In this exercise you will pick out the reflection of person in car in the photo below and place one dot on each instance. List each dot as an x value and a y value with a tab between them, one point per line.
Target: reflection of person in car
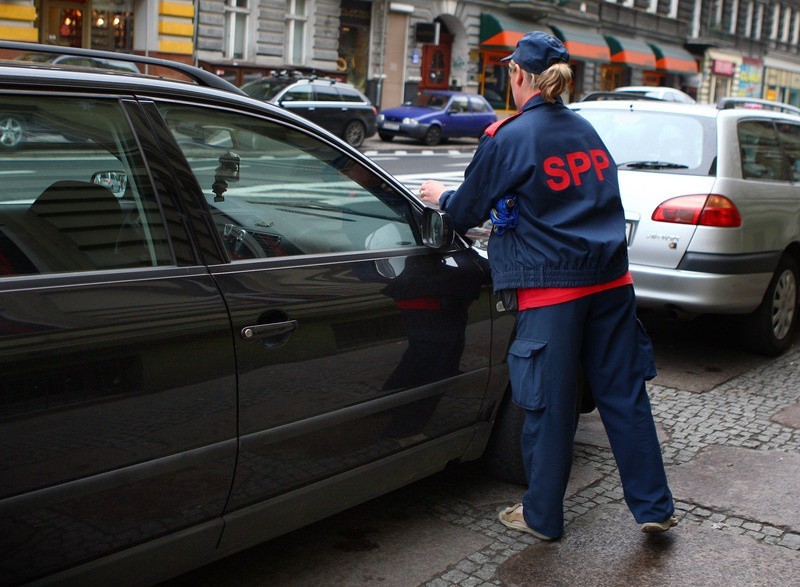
434	312
550	186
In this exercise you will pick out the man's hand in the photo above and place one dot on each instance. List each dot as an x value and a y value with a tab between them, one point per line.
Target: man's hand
431	190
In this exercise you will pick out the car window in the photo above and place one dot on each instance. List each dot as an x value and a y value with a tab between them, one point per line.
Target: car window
686	143
76	196
349	95
303	92
274	191
790	139
327	94
762	156
459	105
479	105
435	101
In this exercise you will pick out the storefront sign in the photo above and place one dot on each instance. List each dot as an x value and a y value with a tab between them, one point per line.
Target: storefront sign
720	67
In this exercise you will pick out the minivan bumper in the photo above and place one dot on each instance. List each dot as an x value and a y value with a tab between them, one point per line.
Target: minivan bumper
695	292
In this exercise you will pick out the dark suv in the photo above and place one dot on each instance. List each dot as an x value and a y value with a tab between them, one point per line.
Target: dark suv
335	106
218	323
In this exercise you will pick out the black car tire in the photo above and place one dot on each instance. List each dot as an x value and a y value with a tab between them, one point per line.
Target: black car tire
354	133
385	137
432	136
503	455
12	132
770	329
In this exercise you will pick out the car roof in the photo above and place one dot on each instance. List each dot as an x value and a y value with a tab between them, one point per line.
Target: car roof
699	110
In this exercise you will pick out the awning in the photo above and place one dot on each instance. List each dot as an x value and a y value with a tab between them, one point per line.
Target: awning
502	32
583	44
631	52
673	58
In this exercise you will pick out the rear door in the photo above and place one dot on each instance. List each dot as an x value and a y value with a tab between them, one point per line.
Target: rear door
118	416
353	341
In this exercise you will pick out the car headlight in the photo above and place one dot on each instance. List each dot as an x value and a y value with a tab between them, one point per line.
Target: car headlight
381	118
410	121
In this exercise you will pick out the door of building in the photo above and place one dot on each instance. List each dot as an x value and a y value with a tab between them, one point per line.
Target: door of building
436	64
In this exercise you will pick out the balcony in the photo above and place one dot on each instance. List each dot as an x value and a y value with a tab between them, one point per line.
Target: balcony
632	19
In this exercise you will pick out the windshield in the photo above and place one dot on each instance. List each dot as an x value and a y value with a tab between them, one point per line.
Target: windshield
434	101
656	141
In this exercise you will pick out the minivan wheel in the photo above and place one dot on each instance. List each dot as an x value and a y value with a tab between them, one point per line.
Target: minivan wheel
12	133
770	329
432	136
354	133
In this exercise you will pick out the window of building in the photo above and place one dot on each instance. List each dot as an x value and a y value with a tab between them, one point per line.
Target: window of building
237	13
734	17
796	28
296	20
673	9
748	25
759	22
776	17
786	25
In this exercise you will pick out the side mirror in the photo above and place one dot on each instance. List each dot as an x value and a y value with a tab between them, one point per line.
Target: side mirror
437	229
116	181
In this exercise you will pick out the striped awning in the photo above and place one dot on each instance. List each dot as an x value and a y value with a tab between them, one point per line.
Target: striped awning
503	32
583	44
631	52
673	58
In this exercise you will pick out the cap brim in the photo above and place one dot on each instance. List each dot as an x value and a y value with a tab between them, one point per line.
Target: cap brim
509	58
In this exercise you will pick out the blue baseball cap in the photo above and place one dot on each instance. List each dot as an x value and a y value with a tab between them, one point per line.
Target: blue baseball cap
536	51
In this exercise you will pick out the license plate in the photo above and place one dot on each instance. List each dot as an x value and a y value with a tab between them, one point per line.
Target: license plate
628	232
391	126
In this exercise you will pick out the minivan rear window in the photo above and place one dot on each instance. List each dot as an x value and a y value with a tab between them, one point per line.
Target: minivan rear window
656	141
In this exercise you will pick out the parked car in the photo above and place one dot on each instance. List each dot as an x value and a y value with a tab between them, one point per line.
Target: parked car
600	95
335	106
660	92
711	198
216	323
15	130
436	115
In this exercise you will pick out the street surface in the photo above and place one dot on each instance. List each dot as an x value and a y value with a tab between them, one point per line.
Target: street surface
728	421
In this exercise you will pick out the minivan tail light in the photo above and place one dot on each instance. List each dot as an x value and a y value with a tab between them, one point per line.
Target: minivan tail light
700	210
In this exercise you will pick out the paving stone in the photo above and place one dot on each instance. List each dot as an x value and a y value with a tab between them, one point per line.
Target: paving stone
789	416
606	549
722	478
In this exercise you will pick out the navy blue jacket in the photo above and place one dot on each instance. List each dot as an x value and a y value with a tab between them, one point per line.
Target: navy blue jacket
571	226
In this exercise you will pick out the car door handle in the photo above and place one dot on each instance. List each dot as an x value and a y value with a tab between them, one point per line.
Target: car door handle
281	330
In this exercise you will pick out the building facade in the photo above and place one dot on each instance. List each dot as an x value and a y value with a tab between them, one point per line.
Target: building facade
392	49
155	27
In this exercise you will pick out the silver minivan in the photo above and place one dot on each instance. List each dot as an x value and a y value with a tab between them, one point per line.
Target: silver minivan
712	203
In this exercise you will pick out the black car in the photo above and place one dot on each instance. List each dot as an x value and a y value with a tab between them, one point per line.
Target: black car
336	106
218	323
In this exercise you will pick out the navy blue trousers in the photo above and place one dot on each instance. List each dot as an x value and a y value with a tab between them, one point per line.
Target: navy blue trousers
602	333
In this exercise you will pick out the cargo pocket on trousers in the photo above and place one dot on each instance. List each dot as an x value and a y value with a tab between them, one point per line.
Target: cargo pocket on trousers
646	353
525	372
